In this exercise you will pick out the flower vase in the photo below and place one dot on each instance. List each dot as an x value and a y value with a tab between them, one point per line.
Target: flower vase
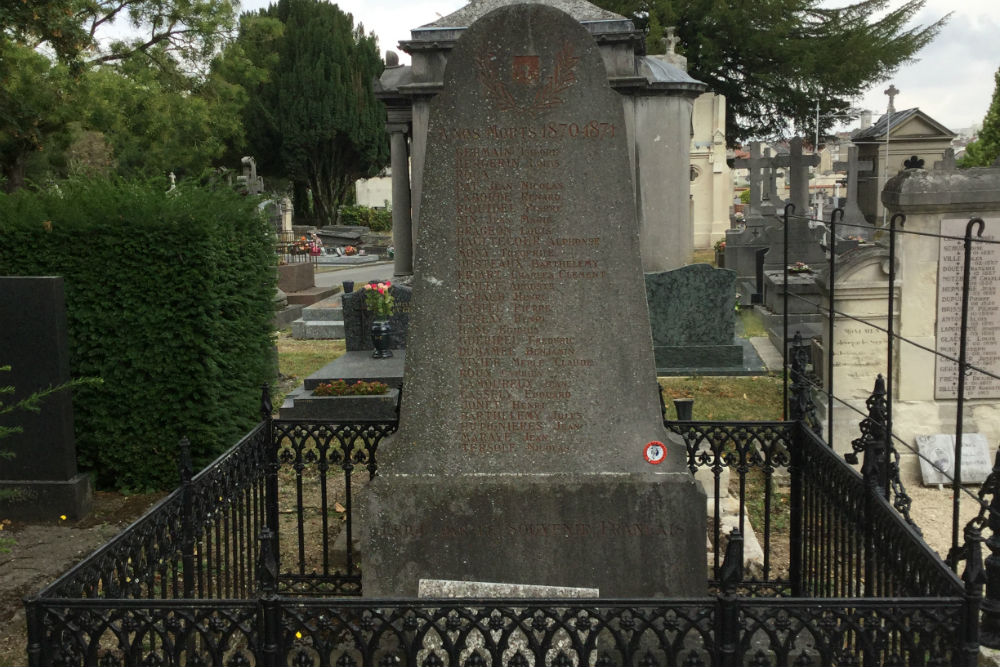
381	339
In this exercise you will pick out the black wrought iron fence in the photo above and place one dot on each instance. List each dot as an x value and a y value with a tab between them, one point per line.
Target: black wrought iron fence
188	584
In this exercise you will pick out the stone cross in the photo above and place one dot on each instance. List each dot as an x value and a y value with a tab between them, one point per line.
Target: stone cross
770	182
756	164
891	91
947	160
852	214
798	173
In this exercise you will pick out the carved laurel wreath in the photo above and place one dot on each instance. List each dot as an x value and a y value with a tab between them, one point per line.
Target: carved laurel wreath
563	76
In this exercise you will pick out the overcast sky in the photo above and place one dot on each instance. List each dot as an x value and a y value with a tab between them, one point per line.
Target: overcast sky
951	80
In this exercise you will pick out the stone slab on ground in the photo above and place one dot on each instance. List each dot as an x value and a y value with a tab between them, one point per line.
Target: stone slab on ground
359	365
443	588
346	260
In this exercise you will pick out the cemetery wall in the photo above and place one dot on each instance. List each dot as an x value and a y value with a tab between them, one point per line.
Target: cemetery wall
169	300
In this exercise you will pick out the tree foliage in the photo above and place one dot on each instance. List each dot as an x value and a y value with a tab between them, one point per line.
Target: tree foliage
986	148
311	115
774	59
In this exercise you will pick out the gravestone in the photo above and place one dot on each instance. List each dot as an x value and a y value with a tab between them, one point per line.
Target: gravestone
34	343
854	223
743	245
526	417
982	350
358	320
692	315
937	458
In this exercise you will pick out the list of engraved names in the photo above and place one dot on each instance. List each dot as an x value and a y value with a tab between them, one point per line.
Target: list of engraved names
516	256
984	311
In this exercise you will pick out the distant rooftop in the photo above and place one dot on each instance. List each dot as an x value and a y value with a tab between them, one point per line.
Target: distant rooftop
898	118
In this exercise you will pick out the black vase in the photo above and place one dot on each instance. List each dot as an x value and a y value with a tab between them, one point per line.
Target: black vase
381	339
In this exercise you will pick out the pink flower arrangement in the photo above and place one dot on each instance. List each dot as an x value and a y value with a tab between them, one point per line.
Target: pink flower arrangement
379	299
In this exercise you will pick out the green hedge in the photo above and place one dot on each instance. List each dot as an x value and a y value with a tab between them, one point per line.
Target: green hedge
169	300
376	219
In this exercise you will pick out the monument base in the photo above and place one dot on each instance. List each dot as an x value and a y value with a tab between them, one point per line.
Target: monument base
625	534
698	356
47	500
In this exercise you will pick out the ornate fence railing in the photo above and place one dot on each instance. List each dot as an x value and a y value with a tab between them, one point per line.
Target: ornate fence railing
189	583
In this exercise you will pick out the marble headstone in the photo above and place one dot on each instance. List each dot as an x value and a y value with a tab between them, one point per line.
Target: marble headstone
528	403
692	315
937	458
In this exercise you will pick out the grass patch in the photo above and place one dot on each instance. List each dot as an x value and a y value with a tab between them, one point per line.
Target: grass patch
298	359
726	398
703	256
753	325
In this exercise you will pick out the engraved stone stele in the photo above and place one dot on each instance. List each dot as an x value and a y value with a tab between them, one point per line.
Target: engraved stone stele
937	458
528	399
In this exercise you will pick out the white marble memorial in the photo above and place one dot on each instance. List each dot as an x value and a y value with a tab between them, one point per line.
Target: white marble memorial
937	458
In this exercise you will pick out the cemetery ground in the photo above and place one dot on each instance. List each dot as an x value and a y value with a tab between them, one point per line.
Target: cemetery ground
36	554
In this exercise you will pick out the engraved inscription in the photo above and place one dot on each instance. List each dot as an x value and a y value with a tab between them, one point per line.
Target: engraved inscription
984	312
513	258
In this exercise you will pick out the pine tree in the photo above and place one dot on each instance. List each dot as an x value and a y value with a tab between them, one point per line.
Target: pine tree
984	151
774	59
312	115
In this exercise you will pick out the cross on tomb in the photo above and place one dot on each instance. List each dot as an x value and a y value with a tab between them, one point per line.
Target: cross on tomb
770	184
852	214
798	173
756	164
891	91
947	160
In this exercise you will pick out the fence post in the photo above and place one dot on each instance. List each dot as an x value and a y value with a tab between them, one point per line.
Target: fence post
973	578
800	404
187	519
269	616
990	629
730	577
796	472
34	622
271	458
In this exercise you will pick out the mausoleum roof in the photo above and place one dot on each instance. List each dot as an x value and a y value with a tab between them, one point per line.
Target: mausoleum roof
656	70
877	131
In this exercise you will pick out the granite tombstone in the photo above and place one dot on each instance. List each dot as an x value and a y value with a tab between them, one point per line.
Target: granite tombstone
358	319
34	343
692	315
526	419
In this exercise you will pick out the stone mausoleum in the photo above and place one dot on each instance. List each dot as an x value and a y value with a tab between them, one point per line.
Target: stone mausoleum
657	95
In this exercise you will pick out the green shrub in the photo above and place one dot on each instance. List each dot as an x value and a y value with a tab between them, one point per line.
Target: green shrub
169	301
375	219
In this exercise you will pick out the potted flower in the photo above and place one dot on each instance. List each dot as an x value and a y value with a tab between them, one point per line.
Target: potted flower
720	253
380	302
350	250
800	267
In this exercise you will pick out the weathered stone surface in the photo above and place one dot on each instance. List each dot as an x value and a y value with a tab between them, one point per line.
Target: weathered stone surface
527	201
693	318
628	535
527	401
445	588
358	321
984	310
940	449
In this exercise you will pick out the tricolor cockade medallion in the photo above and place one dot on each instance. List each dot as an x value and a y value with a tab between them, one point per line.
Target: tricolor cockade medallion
517	84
